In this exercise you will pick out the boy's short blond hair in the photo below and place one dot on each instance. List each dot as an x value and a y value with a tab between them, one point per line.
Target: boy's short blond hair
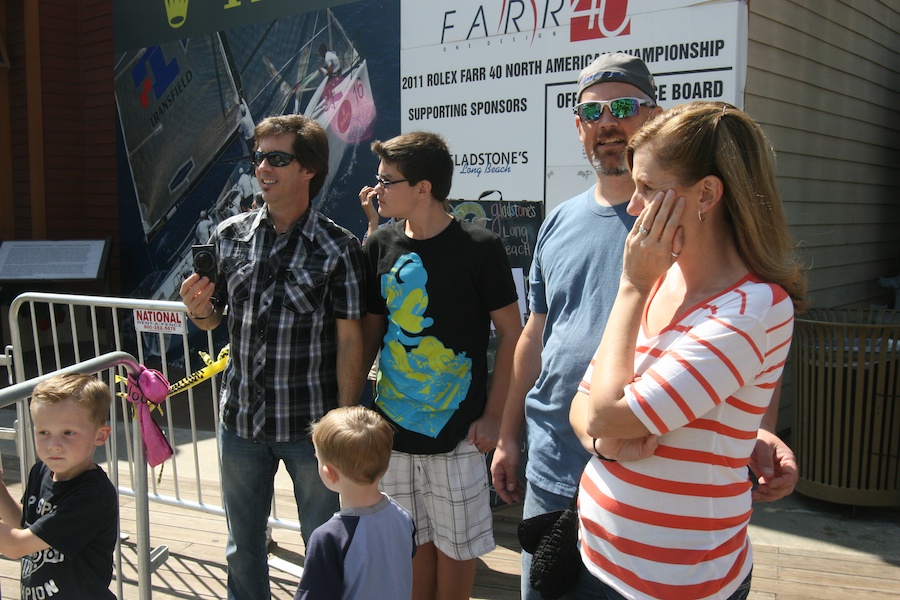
356	440
86	391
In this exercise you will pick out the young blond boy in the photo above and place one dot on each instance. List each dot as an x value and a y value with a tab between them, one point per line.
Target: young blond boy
366	549
67	531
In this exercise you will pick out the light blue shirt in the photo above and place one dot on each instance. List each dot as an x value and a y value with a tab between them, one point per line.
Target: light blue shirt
573	281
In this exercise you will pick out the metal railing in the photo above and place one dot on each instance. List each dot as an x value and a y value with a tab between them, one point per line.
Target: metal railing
50	332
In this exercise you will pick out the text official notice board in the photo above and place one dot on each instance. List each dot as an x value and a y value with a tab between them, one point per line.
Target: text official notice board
42	260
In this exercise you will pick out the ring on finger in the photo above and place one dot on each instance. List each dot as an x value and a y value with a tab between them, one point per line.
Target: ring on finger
674	254
642	230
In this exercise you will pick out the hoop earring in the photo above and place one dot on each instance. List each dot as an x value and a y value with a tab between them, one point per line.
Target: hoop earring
701	215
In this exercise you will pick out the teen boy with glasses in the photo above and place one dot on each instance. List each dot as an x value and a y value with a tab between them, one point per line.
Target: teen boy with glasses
434	286
293	283
573	281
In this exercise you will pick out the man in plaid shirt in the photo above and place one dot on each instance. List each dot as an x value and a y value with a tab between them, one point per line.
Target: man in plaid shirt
292	281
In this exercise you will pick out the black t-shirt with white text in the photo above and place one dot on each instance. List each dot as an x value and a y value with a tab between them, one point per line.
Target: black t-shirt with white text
79	519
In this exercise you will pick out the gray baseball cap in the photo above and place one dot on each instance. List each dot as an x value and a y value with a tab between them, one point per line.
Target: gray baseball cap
617	66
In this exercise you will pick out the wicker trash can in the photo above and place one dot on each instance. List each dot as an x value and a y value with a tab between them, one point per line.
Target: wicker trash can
846	431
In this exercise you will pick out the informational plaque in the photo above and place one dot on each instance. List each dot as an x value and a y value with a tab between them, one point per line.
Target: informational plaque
53	260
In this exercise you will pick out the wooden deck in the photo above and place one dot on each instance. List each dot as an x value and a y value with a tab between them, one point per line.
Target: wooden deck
195	568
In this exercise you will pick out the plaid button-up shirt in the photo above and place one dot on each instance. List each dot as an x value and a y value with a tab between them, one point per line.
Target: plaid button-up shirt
282	369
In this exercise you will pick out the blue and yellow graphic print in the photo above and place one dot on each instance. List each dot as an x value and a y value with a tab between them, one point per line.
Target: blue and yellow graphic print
421	382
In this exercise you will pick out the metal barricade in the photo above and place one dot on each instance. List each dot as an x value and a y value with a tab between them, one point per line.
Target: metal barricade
50	332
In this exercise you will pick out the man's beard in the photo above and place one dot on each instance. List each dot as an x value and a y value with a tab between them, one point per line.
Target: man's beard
610	165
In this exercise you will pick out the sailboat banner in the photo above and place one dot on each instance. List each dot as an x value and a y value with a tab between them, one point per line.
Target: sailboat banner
187	109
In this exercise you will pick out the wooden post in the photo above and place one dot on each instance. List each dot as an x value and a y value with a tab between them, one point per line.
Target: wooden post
35	112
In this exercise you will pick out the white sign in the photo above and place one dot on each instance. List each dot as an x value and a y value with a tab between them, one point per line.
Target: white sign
497	78
159	321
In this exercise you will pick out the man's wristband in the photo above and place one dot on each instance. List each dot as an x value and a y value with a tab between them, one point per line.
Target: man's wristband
196	318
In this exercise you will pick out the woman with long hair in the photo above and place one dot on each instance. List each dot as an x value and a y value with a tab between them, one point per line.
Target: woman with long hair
695	344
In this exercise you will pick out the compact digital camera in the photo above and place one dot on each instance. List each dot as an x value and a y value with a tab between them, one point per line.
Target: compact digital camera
205	261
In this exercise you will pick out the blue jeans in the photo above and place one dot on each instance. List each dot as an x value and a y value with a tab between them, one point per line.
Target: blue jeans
248	484
539	501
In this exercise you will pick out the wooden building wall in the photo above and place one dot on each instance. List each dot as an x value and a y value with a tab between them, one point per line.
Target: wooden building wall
62	150
824	81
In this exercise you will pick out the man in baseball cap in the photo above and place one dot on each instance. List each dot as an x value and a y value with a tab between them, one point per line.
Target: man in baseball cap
617	66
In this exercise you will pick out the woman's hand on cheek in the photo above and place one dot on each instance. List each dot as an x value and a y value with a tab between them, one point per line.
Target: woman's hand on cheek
655	241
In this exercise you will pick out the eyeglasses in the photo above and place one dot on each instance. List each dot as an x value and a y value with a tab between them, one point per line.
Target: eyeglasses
276	158
386	183
620	108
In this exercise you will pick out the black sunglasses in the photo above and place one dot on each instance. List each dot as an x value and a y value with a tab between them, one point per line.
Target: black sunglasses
386	183
276	158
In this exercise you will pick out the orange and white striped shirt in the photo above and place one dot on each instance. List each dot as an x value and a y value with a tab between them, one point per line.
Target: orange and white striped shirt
675	525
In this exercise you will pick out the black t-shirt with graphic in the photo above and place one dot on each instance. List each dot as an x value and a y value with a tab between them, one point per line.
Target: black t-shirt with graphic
79	518
436	295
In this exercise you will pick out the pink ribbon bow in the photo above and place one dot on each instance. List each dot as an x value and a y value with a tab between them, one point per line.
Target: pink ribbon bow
150	386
